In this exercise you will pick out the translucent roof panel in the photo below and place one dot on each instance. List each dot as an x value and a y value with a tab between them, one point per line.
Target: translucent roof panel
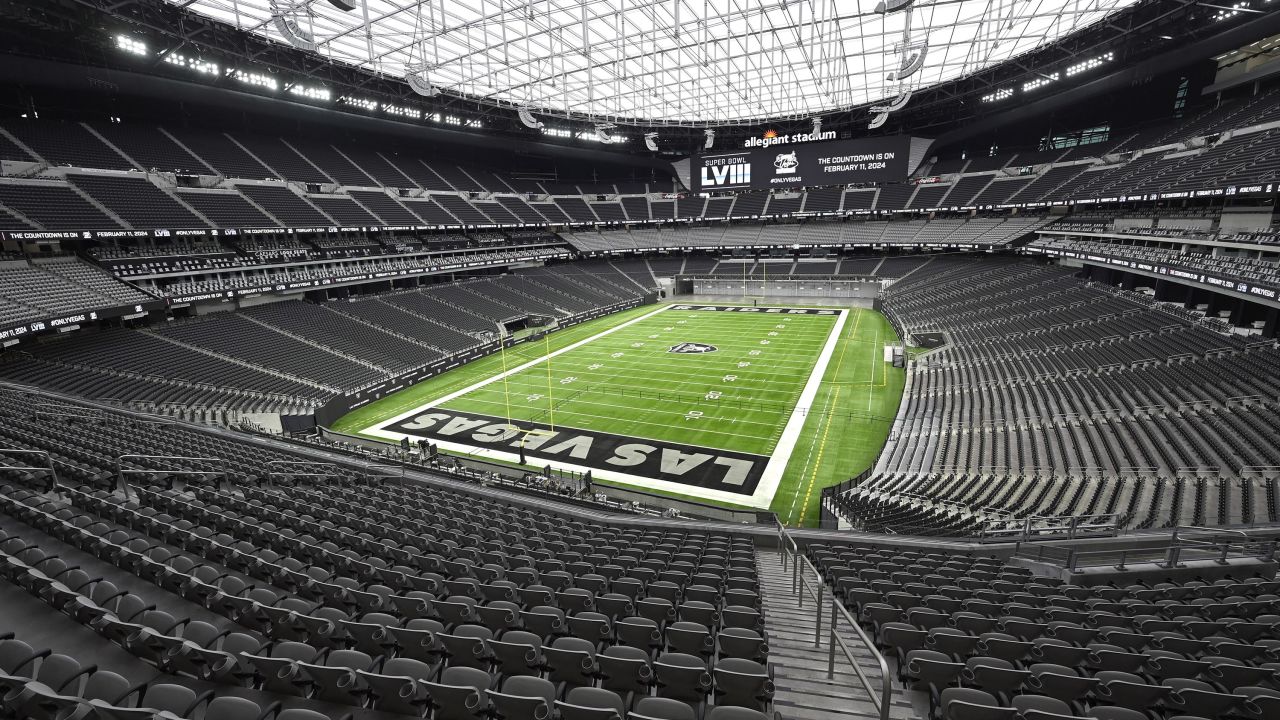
692	62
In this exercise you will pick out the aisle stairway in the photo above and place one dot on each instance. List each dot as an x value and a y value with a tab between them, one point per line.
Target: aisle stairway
803	691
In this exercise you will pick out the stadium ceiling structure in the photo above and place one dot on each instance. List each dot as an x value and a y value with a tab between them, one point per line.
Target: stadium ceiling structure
694	63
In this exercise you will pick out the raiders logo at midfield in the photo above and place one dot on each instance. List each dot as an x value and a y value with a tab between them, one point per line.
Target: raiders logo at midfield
692	348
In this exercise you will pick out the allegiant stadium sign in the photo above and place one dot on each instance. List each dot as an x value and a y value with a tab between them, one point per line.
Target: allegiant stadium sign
769	139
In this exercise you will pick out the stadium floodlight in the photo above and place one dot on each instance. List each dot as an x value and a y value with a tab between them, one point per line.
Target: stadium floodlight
416	76
528	119
311	93
711	138
283	16
889	6
878	120
651	141
602	132
129	45
345	5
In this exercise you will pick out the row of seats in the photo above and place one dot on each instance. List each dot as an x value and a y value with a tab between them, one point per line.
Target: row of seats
250	156
988	640
980	231
299	572
58	287
291	356
1090	402
1258	271
973	182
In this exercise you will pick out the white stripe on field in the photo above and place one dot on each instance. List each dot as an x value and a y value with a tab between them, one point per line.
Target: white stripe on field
791	433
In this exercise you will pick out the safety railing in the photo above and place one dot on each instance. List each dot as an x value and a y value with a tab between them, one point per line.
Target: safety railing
281	469
378	473
801	585
123	473
1186	543
46	467
1045	527
65	411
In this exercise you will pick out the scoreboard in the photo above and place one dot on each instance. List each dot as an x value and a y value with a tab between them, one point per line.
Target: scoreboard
793	166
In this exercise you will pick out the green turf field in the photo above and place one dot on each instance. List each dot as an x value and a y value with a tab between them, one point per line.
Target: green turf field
630	384
618	377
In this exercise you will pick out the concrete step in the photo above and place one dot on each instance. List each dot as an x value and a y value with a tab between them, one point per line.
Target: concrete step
803	689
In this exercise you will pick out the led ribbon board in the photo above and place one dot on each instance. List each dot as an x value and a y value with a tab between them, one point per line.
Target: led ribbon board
782	165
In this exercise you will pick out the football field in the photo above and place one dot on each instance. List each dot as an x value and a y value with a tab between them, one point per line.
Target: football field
728	404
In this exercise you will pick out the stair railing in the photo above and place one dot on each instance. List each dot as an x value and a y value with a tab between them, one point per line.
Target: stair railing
9	461
806	580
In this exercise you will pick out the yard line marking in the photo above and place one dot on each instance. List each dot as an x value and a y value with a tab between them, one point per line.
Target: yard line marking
620	366
583	401
817	463
767	400
676	413
378	428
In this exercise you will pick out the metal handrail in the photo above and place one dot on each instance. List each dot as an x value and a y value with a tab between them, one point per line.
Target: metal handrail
1166	556
792	557
48	467
122	471
304	469
1200	528
373	470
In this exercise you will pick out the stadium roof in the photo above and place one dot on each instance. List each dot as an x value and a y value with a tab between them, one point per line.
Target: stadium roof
677	62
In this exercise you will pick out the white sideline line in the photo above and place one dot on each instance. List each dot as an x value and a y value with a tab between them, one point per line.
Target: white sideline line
769	481
773	472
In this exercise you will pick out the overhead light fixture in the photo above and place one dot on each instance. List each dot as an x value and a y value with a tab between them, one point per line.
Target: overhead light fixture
255	79
129	45
1040	82
402	111
345	5
311	93
651	141
193	63
711	138
416	76
889	6
283	16
1089	64
998	95
602	132
911	63
878	120
528	119
895	105
362	103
